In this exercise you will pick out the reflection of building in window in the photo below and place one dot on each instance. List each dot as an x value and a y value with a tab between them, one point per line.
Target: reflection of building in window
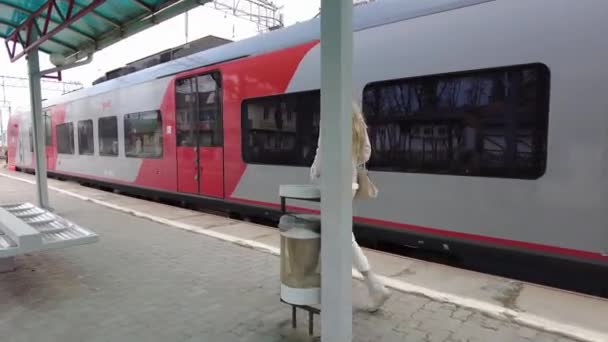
85	137
143	135
185	107
65	138
486	123
108	136
48	137
281	129
48	130
31	138
198	111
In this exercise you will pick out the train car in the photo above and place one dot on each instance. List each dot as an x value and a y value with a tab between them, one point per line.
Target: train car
488	122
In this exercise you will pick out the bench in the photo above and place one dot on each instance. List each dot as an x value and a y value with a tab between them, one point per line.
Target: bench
26	228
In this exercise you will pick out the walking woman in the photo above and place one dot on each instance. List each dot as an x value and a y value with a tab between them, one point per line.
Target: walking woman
361	153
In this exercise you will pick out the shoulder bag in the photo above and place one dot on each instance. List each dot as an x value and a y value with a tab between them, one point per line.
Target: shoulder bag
367	189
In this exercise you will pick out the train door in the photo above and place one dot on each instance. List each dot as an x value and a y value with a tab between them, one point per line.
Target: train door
200	152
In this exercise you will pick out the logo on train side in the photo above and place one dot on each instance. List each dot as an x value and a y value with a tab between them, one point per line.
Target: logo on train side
106	104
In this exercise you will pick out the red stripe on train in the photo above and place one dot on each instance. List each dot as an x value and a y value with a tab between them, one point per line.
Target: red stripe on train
452	234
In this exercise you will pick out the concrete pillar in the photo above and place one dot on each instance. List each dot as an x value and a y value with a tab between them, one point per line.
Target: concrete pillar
336	169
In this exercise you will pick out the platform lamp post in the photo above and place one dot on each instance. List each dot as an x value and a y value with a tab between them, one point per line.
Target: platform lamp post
336	186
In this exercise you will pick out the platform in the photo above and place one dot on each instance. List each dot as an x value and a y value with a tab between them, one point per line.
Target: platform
160	273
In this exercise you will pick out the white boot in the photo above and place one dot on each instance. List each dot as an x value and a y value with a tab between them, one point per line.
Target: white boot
377	291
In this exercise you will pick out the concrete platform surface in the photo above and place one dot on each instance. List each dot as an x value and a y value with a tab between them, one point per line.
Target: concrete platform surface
148	280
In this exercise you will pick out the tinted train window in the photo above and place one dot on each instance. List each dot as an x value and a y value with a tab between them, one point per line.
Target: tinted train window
490	123
107	131
31	138
85	137
198	111
281	130
65	138
143	135
48	130
48	137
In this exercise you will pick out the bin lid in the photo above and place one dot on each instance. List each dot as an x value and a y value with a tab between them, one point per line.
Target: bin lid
302	191
304	221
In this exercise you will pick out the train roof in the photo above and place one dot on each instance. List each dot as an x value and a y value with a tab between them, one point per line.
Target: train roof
374	14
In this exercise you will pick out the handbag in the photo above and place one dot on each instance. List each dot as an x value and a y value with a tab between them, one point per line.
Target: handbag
367	189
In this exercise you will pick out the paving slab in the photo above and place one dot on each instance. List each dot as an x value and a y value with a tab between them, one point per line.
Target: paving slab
162	210
555	306
388	264
124	200
246	230
273	240
207	221
459	282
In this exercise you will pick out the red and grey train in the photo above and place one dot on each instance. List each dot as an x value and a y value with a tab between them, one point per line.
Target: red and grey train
488	121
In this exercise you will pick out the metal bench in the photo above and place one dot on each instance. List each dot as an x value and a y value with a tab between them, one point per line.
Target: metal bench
26	228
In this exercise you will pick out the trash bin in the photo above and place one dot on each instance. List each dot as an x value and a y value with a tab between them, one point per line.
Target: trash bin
300	259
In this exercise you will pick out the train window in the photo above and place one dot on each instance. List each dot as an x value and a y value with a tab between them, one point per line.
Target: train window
487	123
31	138
185	108
198	111
65	138
107	130
48	138
48	130
282	129
143	135
85	137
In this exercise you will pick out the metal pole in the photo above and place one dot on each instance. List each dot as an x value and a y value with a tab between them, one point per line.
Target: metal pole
336	169
33	66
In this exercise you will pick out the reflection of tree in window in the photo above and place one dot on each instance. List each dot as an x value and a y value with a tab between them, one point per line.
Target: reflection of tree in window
490	123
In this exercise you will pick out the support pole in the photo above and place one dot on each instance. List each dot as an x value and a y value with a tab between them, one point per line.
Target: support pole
336	169
33	65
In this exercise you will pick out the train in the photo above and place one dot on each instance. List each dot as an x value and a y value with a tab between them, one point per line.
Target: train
488	121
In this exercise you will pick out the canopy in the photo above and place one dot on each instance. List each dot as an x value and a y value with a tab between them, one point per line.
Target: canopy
77	28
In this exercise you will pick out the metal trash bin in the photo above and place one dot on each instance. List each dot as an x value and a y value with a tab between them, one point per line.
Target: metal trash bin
301	259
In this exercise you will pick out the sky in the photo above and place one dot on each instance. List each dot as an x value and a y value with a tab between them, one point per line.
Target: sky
202	21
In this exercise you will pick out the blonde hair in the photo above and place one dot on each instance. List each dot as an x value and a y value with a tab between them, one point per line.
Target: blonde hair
359	132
